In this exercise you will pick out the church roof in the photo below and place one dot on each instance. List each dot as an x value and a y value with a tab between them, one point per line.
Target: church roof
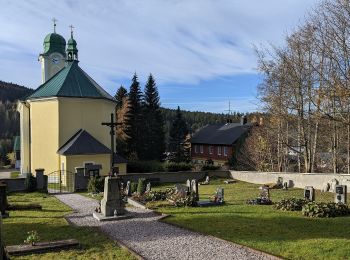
71	81
83	143
220	134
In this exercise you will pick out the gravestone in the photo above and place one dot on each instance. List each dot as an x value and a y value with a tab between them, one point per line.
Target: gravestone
181	190
340	194
3	200
148	187
112	205
265	192
332	184
128	189
194	185
309	193
280	181
188	184
207	180
220	195
39	175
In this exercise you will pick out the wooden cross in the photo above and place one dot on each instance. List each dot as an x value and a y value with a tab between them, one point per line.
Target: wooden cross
54	24
112	125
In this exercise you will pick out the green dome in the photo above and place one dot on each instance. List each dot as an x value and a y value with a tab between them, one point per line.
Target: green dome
72	45
54	42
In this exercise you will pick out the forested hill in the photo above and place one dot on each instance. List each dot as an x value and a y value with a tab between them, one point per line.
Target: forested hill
11	92
196	120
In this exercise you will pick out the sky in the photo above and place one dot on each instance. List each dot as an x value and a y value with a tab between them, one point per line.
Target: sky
201	52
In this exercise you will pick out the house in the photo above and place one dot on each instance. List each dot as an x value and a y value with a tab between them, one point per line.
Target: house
60	122
217	142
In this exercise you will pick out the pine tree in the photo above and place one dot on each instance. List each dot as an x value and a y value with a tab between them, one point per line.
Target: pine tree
133	122
178	132
120	95
153	145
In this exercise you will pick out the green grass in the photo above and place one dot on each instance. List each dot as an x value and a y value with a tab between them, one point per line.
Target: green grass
14	174
286	234
51	225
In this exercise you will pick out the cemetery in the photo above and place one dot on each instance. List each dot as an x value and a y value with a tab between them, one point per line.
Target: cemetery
274	217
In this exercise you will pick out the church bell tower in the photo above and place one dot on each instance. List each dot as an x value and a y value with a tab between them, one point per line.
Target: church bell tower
54	56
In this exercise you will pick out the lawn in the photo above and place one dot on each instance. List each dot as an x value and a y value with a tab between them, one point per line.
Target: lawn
51	225
286	234
15	174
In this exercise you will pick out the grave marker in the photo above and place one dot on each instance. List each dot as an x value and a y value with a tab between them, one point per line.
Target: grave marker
194	185
112	205
265	192
128	189
188	184
148	187
309	193
3	200
220	195
340	194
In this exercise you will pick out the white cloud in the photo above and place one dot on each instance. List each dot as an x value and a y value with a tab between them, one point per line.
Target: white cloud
179	41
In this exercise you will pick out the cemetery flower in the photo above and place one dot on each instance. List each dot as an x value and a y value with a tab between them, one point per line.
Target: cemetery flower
32	237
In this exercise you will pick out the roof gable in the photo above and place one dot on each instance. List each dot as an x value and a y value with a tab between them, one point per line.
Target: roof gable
83	143
71	81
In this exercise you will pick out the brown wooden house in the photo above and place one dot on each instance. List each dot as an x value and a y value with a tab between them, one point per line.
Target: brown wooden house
217	142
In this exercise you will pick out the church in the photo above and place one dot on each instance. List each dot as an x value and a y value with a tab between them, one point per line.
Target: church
60	122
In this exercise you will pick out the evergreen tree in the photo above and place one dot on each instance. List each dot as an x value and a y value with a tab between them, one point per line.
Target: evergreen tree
120	95
133	120
153	145
178	132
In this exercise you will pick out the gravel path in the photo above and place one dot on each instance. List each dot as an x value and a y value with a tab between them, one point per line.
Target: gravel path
153	239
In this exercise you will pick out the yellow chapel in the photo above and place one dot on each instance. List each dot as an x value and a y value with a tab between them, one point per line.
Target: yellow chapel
60	122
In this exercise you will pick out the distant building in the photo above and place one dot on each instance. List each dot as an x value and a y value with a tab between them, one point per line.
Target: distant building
217	142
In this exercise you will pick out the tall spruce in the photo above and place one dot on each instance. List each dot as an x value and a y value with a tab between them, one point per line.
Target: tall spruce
120	96
153	135
178	133
133	124
122	112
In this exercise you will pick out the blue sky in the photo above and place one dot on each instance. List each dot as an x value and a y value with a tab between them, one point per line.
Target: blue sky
201	52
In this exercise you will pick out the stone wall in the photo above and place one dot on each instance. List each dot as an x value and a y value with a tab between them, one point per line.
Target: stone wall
174	177
299	180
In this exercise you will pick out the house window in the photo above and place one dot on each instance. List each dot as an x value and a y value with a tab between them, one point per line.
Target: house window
225	150
201	148
219	150
195	148
211	149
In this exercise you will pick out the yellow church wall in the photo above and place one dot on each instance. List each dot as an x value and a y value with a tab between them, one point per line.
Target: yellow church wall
122	167
44	135
79	161
23	110
85	113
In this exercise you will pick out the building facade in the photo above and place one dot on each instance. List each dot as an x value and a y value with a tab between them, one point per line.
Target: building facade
217	143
